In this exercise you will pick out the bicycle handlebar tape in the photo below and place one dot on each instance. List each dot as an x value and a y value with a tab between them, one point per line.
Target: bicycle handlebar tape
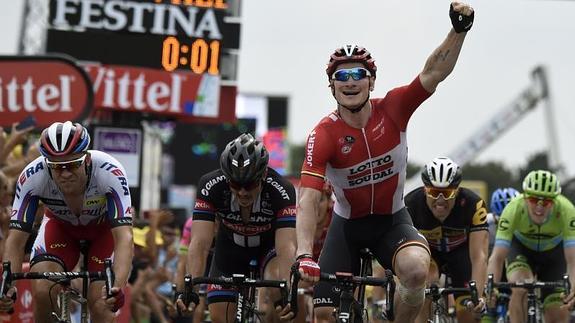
460	22
294	277
473	289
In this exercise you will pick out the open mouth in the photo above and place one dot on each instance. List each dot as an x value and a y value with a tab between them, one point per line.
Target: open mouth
350	93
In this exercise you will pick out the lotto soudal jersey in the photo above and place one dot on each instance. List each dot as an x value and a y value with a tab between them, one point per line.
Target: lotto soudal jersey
107	195
367	166
468	215
273	208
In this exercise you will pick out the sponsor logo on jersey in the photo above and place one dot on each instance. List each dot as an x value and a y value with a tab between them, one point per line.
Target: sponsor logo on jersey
309	149
253	218
278	187
119	174
34	169
346	149
206	189
90	212
96	201
380	168
322	300
97	260
52	202
202	205
129	211
57	245
247	230
288	211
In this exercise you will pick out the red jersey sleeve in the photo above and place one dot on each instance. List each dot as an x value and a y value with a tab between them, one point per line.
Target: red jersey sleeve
319	150
403	101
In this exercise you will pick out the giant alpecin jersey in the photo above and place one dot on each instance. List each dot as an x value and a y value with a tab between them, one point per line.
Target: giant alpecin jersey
274	208
107	195
367	166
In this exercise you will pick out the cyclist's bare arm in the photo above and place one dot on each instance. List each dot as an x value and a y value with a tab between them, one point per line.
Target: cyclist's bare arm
307	214
123	253
570	260
285	242
180	272
199	248
442	61
14	249
495	264
478	250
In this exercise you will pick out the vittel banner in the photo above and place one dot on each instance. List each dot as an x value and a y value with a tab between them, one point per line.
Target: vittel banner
52	88
178	94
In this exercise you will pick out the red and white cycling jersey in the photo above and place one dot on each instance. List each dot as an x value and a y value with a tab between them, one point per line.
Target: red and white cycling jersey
107	195
367	166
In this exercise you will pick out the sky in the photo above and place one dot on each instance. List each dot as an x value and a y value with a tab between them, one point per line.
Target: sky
285	46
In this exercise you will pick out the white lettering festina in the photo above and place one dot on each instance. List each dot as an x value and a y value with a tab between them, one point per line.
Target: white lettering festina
136	17
25	95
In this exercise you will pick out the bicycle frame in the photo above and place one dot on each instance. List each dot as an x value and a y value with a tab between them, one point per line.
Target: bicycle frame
246	291
63	278
436	293
350	310
533	312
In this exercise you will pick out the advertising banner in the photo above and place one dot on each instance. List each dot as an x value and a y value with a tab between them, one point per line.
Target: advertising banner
52	88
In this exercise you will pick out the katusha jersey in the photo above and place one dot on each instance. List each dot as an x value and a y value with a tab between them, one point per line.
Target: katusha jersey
274	208
516	223
367	167
107	195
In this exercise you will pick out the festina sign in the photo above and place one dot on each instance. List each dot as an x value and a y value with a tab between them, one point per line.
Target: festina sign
52	88
178	94
138	17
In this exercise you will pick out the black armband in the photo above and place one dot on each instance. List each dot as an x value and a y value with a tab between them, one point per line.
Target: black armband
304	255
461	23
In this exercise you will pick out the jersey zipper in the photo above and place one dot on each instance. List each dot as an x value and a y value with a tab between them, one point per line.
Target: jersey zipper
370	168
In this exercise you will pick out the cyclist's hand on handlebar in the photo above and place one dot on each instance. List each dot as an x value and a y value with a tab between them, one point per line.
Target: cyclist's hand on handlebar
285	314
181	307
479	308
7	303
569	300
116	300
308	268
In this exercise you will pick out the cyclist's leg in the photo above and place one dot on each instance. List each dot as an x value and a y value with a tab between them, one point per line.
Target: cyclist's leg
552	268
410	262
459	268
432	278
518	270
53	251
337	255
377	294
101	248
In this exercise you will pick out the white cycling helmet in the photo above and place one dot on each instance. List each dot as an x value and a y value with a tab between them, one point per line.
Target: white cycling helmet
441	172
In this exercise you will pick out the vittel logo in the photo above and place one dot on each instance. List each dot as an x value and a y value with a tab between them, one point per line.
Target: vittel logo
28	95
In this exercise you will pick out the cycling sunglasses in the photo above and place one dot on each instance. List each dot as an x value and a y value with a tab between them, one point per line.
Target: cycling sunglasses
247	186
68	164
356	73
435	193
543	201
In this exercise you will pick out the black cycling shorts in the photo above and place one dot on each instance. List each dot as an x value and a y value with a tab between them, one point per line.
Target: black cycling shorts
546	266
384	235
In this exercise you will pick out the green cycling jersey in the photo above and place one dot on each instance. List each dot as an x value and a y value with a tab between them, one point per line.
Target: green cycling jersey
558	227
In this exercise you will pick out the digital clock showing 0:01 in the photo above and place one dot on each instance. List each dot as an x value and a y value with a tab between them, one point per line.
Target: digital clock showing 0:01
200	56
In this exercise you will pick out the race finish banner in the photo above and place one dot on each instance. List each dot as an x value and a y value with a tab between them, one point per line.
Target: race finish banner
51	88
182	37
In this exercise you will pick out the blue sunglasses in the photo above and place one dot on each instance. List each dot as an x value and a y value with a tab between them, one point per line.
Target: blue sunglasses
356	73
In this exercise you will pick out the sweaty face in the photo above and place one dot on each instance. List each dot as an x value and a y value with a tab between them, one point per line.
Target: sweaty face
246	197
539	209
351	92
70	180
440	207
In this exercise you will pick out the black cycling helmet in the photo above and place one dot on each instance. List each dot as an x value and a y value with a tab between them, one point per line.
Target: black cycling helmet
350	53
244	160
